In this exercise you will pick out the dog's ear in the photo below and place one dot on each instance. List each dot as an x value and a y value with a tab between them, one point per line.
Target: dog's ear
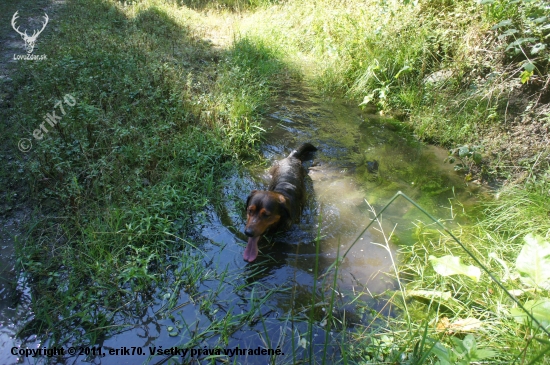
285	207
252	193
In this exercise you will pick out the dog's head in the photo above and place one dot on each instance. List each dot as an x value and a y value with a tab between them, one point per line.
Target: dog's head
264	209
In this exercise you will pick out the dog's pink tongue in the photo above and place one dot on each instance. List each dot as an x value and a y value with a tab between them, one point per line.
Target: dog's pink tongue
251	250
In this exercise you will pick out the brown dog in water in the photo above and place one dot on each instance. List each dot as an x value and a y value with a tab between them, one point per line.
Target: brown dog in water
281	204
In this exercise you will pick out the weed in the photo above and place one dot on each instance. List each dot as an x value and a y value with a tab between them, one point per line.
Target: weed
468	157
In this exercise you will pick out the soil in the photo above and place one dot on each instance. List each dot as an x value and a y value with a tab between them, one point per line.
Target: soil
520	147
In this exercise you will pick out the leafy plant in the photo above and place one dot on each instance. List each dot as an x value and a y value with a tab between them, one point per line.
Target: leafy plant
533	265
380	348
525	31
468	156
451	265
533	262
462	352
540	309
384	81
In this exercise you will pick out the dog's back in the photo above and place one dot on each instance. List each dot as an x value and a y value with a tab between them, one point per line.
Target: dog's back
288	179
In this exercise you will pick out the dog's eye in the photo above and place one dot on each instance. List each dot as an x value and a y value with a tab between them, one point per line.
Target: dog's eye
264	213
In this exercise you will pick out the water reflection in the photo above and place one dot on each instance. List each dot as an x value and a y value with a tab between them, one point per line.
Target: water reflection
15	298
342	180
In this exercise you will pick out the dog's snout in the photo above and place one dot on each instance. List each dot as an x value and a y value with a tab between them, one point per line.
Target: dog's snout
248	232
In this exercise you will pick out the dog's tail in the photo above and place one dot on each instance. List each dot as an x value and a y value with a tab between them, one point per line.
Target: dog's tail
302	152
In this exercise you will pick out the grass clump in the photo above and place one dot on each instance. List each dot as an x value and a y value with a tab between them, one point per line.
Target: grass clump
464	307
447	66
520	210
244	89
154	116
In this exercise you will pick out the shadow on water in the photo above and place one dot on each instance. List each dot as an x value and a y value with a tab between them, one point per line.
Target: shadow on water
15	299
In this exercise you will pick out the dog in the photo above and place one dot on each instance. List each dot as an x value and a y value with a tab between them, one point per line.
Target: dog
279	206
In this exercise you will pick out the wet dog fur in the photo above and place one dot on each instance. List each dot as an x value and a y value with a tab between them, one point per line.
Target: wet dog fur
279	206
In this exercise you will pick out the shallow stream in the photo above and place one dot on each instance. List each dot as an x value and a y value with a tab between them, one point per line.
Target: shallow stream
362	161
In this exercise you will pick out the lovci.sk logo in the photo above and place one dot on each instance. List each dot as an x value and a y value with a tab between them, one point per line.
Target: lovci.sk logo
29	40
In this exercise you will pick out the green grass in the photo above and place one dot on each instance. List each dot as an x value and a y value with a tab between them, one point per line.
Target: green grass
520	210
159	117
437	63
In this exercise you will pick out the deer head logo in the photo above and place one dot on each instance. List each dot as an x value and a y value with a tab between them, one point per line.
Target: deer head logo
29	40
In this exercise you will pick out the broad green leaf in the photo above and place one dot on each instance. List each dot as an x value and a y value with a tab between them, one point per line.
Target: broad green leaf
451	265
458	346
528	66
540	309
405	68
537	48
525	76
476	156
469	343
533	262
519	42
502	24
442	353
473	354
509	32
463	151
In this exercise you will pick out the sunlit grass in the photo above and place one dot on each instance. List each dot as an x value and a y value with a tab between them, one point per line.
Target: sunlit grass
121	182
438	311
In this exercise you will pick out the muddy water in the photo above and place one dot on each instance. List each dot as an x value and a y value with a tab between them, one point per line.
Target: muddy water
278	288
344	188
363	160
